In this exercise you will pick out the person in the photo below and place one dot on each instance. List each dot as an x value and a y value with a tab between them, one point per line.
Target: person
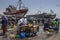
46	25
12	35
55	23
14	26
4	24
20	21
22	34
34	22
16	20
30	21
23	21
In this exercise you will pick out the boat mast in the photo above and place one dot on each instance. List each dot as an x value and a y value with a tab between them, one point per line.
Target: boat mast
20	2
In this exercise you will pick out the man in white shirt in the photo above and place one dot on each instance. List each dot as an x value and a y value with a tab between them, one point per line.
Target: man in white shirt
23	21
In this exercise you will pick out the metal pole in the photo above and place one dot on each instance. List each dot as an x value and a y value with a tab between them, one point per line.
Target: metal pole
20	2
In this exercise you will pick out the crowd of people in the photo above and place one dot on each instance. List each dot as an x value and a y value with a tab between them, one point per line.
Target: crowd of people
23	21
54	24
14	23
6	22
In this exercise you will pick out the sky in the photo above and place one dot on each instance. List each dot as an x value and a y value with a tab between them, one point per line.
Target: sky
34	5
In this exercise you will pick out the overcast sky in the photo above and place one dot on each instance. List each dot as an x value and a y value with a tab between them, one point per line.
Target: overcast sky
34	5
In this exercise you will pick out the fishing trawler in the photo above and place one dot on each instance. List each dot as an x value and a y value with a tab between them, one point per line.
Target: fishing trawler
12	10
42	15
